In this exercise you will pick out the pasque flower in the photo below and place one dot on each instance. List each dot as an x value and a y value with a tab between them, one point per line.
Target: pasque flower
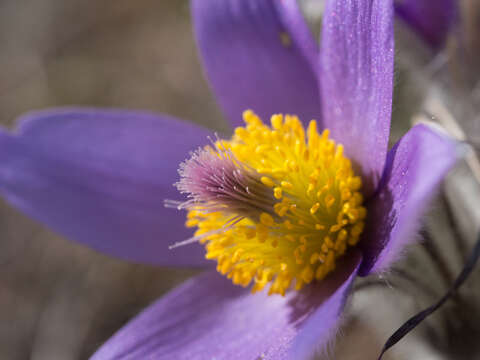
309	214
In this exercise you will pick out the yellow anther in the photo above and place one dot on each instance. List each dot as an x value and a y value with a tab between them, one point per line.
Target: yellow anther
258	287
266	219
354	183
261	148
280	209
314	208
346	194
303	239
329	200
277	192
307	274
340	247
335	228
330	261
287	138
192	222
280	151
249	233
325	134
299	204
267	181
324	248
312	134
341	173
352	215
292	165
298	256
339	151
342	235
237	254
262	233
283	211
306	155
286	185
290	237
358	228
298	147
328	241
193	214
310	189
278	172
250	118
276	121
299	284
225	266
319	227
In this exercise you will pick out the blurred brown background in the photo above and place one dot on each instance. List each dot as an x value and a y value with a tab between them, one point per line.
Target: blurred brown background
59	300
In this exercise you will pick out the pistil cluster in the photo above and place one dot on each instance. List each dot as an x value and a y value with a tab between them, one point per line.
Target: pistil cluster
275	204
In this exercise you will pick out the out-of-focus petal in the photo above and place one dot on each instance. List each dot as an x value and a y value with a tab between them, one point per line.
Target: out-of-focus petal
257	55
430	19
209	318
356	80
414	169
100	177
293	19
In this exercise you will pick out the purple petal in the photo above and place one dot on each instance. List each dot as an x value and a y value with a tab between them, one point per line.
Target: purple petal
356	80
430	19
415	167
100	177
258	55
209	318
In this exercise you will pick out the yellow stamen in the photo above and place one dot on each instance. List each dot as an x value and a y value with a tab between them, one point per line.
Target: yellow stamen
308	213
267	181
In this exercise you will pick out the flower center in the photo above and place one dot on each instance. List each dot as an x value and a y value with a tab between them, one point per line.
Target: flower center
275	204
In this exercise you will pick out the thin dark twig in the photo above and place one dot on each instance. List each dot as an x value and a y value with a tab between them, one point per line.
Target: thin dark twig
418	318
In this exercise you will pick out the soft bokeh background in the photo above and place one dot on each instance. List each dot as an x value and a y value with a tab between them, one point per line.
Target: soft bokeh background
59	300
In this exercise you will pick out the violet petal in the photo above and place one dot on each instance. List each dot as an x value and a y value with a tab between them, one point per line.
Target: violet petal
430	19
209	318
414	169
256	56
100	177
356	80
